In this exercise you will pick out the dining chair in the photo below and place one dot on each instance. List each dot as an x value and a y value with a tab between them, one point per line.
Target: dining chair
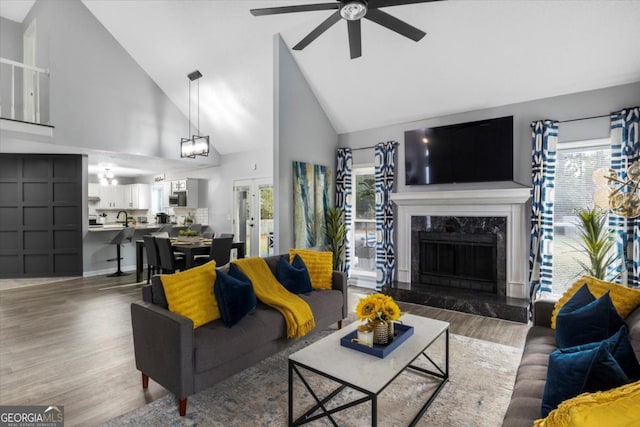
220	252
153	258
221	235
124	236
165	229
207	234
169	263
195	227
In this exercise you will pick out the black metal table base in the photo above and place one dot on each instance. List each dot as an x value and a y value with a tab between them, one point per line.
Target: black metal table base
320	405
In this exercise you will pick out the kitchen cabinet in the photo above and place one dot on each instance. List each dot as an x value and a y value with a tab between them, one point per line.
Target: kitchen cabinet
93	191
139	196
113	197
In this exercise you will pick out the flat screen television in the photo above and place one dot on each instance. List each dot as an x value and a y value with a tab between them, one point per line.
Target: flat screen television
479	151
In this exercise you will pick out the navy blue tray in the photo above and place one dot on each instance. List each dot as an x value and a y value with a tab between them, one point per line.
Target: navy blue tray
400	334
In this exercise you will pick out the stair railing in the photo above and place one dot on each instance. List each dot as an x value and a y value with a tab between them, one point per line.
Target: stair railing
37	72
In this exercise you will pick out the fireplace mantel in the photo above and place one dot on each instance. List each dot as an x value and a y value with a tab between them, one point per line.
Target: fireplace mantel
506	202
464	197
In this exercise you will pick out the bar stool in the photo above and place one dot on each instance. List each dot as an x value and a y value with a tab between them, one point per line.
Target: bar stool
124	236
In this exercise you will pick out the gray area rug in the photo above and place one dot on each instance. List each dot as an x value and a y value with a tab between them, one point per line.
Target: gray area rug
481	376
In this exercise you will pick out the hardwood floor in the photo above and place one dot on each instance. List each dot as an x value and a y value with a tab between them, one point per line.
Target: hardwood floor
69	343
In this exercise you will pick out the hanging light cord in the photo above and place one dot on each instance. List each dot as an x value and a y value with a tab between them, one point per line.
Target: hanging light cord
189	133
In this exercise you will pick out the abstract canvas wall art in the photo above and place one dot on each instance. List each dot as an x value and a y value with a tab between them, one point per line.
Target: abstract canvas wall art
311	199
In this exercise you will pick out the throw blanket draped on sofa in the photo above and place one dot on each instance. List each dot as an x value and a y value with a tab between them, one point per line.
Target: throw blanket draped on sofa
296	311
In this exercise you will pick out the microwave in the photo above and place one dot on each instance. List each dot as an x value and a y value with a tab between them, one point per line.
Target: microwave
179	198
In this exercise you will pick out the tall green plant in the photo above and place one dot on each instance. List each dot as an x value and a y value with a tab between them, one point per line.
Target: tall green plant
597	243
336	235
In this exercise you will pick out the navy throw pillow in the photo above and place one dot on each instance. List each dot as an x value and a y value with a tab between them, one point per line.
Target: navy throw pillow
234	271
620	348
295	276
593	322
236	298
574	371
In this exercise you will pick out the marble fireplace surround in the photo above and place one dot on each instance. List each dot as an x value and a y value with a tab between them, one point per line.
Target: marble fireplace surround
510	203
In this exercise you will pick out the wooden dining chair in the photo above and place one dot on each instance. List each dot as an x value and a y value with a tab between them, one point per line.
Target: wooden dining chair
168	261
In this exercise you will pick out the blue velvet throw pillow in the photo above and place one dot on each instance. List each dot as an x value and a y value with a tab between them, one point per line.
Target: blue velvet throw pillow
295	276
619	345
235	272
593	322
235	297
573	371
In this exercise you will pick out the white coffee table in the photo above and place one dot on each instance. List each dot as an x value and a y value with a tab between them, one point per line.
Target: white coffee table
363	372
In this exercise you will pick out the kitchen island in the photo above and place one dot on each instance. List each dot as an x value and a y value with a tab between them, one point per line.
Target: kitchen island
97	249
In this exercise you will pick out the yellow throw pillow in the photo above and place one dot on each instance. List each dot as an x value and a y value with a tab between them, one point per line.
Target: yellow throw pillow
624	299
319	264
190	293
616	407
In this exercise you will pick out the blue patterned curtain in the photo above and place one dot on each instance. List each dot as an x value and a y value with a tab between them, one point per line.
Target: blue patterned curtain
625	149
543	169
385	169
344	196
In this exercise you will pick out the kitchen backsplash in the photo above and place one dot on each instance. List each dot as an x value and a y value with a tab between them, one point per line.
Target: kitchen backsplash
199	215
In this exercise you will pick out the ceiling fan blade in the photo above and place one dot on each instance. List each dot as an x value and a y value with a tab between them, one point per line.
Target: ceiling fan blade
324	26
355	39
394	24
384	3
291	9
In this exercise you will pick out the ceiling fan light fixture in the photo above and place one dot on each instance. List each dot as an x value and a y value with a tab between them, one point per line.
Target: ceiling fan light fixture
353	10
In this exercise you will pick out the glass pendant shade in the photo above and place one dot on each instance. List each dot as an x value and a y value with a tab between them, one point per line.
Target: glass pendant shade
601	176
634	172
601	198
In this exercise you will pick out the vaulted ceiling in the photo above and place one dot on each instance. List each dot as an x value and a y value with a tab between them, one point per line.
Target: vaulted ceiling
476	54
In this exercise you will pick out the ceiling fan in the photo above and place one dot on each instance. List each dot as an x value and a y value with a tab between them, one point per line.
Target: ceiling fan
352	11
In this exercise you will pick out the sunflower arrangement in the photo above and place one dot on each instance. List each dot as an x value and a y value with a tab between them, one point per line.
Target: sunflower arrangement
378	307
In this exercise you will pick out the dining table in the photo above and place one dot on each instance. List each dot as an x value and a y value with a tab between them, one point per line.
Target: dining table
189	249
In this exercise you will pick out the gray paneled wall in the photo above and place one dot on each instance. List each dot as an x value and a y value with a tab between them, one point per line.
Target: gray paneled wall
40	215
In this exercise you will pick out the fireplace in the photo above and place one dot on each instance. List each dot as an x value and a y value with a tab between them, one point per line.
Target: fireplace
464	250
459	252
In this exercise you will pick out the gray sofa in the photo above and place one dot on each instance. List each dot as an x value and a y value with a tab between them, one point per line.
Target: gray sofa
526	399
186	360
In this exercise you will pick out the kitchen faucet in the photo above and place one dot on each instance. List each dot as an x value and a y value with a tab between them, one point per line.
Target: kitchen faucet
126	217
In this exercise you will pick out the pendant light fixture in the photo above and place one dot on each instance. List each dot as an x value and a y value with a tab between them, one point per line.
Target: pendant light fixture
196	145
107	177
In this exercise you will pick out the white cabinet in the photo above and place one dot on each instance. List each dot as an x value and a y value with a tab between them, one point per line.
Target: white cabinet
113	197
94	191
192	193
139	196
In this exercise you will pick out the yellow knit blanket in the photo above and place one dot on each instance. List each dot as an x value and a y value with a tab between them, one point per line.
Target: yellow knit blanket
297	313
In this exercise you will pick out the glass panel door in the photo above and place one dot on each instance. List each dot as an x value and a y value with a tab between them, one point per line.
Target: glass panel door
363	250
253	215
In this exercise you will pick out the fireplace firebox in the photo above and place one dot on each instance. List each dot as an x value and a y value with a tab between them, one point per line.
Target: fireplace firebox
460	252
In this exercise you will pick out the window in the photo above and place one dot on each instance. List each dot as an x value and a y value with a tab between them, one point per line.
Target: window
574	189
364	222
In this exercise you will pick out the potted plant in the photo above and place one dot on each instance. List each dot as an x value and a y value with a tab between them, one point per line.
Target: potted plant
596	242
336	236
189	236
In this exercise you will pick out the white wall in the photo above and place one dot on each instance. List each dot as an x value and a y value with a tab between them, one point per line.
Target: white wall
10	48
219	179
584	104
302	133
100	98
